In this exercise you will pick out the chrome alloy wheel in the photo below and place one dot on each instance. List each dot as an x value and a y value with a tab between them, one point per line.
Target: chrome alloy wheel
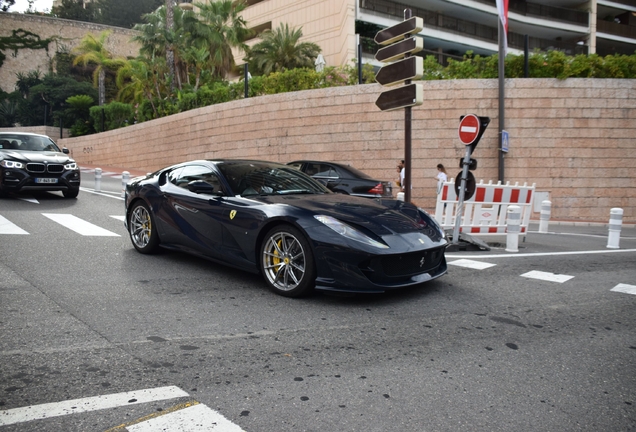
140	227
284	261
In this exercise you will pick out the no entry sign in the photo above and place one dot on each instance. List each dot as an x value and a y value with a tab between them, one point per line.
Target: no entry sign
469	128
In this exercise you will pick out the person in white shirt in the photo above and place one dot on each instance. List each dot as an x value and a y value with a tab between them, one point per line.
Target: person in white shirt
441	177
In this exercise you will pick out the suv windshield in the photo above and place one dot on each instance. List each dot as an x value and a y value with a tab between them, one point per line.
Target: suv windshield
27	143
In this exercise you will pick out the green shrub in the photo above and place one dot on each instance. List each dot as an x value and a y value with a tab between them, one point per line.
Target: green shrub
116	115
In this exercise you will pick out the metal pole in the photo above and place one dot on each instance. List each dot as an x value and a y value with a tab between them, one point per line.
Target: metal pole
502	119
245	72
526	59
359	60
407	134
462	194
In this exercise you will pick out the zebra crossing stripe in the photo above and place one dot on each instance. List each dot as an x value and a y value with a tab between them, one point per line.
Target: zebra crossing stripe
625	288
7	227
78	225
475	265
95	403
550	277
194	418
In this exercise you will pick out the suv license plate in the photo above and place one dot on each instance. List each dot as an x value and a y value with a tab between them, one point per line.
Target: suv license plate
46	180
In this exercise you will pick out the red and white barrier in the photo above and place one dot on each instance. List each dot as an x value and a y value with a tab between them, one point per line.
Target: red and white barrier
485	212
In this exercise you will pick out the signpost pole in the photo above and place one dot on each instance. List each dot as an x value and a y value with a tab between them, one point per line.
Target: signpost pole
407	132
462	192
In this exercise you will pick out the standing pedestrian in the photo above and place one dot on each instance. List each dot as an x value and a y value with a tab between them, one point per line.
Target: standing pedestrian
441	177
400	170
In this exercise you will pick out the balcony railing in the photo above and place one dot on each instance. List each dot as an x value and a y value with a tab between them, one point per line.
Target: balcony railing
469	28
613	28
551	13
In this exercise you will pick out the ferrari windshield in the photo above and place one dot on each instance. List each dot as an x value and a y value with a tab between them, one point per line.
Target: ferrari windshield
247	178
13	141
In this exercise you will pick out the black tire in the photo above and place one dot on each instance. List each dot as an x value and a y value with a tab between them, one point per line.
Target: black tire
71	193
142	229
287	262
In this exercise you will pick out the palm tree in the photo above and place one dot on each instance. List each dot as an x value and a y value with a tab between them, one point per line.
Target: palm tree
139	80
280	49
92	50
222	29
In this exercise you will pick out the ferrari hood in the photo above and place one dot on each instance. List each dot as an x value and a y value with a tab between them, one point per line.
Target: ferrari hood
381	216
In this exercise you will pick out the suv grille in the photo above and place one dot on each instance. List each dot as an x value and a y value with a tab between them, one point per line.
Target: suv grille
41	168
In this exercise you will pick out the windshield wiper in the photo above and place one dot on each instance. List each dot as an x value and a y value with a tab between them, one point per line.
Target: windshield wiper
296	191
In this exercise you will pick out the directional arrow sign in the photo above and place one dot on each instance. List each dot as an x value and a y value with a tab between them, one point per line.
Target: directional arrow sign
398	31
398	72
398	50
401	97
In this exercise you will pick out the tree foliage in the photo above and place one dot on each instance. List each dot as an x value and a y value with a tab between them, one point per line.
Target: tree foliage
279	50
6	4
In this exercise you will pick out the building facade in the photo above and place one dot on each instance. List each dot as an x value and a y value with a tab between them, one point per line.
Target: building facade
454	27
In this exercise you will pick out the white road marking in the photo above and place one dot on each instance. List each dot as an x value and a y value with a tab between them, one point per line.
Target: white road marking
105	193
550	277
95	403
80	226
624	288
197	418
540	254
119	217
7	227
476	265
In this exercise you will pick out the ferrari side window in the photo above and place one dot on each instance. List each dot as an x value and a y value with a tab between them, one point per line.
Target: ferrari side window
198	172
173	176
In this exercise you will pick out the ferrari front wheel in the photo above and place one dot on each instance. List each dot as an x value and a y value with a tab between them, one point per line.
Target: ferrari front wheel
142	230
287	262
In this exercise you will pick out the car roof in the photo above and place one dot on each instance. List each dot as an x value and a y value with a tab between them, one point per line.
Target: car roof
22	133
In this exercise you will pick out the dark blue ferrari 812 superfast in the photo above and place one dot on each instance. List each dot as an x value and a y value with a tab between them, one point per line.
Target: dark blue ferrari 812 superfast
266	217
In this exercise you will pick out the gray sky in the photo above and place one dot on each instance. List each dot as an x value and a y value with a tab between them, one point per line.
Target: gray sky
39	5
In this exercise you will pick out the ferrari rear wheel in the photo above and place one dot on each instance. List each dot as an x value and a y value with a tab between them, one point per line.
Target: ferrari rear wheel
287	262
142	230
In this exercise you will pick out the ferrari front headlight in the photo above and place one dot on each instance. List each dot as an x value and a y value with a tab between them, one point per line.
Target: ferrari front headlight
348	231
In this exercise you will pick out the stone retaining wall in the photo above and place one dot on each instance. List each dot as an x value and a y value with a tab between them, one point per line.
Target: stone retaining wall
574	138
69	33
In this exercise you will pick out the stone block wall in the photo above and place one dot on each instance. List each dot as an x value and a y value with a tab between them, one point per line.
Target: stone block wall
69	33
573	138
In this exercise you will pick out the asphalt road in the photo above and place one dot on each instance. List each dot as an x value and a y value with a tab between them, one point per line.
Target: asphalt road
131	339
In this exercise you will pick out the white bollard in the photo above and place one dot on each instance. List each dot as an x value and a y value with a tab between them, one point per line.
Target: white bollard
125	176
546	208
98	179
513	227
400	196
615	224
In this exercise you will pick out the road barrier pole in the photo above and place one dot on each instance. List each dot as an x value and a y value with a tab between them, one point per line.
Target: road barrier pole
546	209
98	179
125	176
513	228
615	224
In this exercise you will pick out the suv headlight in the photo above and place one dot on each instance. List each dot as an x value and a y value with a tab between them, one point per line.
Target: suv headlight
71	166
11	164
348	231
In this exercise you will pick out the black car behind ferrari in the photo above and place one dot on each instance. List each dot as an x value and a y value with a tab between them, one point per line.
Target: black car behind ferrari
343	178
270	218
32	162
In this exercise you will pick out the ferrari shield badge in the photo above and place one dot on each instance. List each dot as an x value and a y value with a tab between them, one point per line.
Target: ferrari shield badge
232	214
